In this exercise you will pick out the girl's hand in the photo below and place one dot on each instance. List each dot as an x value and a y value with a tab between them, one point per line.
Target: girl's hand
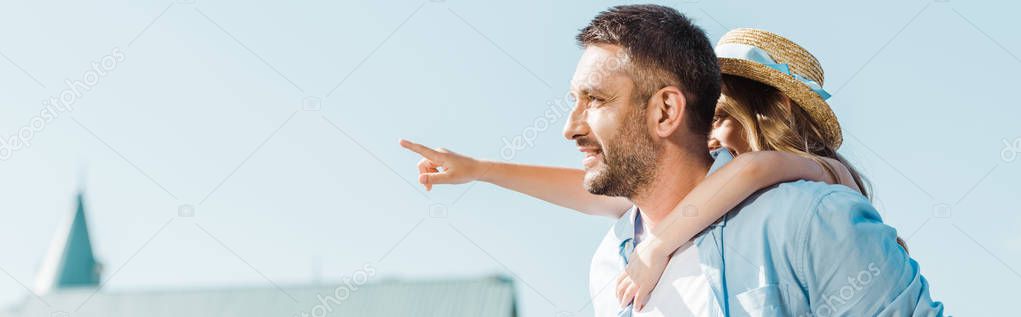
643	272
441	166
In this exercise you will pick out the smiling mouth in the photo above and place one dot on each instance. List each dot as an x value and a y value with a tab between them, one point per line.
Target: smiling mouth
592	156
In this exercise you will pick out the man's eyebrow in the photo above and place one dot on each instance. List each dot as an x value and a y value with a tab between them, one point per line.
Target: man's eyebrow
587	90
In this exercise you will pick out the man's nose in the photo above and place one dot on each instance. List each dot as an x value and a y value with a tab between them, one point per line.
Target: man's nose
576	126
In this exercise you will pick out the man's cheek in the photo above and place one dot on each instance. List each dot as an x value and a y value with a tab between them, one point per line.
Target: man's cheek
600	128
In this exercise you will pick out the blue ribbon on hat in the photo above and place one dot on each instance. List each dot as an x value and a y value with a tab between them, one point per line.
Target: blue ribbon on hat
757	55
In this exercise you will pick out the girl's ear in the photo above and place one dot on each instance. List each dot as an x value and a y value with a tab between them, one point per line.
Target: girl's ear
668	106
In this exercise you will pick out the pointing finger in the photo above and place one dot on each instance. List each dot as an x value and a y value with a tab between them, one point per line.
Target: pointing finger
421	150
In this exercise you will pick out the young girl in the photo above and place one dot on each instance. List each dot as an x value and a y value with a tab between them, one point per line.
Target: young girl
778	132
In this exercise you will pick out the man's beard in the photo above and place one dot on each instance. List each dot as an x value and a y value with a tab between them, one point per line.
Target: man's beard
629	160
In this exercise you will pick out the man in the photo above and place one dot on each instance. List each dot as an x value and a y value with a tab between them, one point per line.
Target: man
646	87
796	249
609	124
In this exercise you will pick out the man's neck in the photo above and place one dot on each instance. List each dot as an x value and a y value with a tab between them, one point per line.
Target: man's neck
676	175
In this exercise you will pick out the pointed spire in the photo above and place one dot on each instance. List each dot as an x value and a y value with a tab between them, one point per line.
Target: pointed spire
70	261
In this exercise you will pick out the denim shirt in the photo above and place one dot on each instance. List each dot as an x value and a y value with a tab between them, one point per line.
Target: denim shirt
810	249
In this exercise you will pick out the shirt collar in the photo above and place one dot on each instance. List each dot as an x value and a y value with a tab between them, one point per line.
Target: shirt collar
722	156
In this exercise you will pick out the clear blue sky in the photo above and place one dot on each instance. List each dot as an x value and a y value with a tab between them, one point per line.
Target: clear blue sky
205	107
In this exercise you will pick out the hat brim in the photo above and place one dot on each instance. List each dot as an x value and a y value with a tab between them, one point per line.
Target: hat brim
816	107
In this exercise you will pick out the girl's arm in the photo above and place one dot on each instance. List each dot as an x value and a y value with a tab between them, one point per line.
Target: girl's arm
557	185
717	194
733	183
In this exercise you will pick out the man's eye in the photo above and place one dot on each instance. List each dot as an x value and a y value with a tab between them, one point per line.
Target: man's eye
595	99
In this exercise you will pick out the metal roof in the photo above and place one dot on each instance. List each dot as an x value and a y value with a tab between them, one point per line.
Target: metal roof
491	296
68	285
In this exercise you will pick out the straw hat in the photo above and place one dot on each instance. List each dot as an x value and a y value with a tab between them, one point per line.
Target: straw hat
776	61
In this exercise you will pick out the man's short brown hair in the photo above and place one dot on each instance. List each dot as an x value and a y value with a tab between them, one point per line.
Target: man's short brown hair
664	49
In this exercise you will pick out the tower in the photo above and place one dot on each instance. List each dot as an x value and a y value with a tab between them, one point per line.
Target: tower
70	262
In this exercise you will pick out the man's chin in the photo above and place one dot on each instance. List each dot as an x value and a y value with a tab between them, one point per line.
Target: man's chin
591	177
596	181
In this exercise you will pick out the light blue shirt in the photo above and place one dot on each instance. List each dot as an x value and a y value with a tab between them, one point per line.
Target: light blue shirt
810	249
806	249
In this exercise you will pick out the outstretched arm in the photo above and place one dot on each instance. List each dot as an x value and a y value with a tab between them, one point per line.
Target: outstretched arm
557	185
720	192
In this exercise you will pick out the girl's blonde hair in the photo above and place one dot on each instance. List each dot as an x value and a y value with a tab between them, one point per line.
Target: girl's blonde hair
773	122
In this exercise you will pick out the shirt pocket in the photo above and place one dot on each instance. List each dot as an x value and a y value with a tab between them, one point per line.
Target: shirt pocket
765	301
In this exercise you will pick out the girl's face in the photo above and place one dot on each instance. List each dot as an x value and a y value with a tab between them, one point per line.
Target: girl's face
728	133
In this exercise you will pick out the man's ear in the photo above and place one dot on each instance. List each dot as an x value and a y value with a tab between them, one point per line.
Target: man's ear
668	105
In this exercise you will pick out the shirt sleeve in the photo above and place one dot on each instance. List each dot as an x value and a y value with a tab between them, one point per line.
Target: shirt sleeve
851	264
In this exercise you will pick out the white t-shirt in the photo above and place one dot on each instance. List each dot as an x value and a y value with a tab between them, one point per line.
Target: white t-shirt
682	291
